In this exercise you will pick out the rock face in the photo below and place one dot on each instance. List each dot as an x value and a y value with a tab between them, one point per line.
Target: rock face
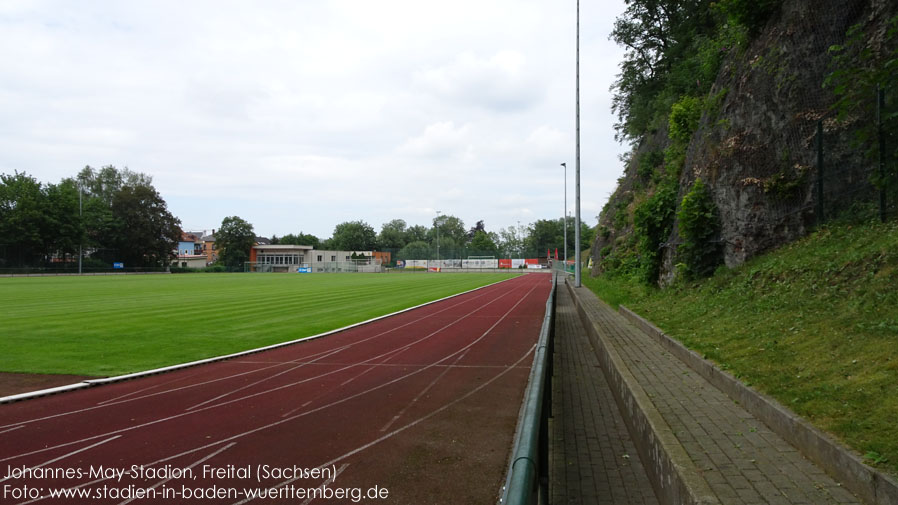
757	152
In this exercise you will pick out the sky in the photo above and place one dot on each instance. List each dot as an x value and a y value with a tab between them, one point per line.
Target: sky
299	115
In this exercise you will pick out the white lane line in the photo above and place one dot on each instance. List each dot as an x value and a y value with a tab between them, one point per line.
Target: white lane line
481	294
245	386
409	425
54	460
398	365
335	402
346	347
12	429
195	463
404	348
326	483
132	393
423	392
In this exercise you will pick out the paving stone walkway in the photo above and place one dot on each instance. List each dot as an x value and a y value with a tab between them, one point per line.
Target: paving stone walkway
742	461
592	459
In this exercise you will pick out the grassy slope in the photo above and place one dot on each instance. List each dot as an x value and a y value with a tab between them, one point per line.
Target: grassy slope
117	324
814	324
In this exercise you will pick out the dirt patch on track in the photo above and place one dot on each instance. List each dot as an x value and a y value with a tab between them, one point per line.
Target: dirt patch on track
16	383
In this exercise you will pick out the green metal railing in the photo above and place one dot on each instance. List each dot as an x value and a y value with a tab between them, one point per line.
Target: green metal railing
527	480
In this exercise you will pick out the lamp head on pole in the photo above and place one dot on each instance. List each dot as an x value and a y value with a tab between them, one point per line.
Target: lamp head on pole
564	165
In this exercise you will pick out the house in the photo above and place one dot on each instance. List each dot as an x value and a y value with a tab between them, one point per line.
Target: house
190	251
209	248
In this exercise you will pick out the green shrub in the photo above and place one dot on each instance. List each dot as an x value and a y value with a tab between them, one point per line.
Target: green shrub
653	220
684	116
699	226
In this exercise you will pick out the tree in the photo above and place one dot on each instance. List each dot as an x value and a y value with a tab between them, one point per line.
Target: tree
354	236
107	181
234	240
483	245
418	250
449	227
146	233
511	242
545	234
301	239
23	221
477	227
393	235
417	233
66	230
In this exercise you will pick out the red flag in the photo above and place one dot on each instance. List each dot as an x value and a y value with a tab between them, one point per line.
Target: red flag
556	253
548	253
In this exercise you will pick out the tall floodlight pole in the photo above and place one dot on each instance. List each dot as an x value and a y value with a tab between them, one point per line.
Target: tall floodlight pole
81	226
577	198
564	217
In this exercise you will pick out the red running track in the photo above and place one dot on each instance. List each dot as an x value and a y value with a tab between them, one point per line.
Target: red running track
420	407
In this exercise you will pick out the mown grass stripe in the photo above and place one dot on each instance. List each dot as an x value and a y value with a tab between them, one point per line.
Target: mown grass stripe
116	325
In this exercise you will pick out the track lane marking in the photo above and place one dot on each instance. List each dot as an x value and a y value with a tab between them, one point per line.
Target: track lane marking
483	292
246	386
12	429
195	463
409	425
297	416
423	392
54	460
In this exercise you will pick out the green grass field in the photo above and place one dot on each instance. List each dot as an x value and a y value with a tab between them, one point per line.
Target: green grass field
118	324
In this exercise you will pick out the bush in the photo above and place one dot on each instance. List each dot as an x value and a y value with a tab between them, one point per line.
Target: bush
653	220
699	225
684	116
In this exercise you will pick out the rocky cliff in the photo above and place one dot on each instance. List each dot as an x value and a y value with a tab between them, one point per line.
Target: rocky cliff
756	144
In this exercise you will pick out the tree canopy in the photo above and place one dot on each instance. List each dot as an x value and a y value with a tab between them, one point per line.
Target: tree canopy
234	241
121	218
354	236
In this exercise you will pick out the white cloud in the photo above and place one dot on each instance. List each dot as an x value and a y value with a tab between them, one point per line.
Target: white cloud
500	82
297	115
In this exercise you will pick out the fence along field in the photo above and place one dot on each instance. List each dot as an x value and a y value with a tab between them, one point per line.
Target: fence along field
112	325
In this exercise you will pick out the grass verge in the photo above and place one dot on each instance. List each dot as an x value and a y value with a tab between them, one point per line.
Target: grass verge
813	324
111	325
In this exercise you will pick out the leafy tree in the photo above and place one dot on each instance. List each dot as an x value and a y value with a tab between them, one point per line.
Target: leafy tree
482	244
449	227
234	240
65	232
393	235
417	233
417	250
107	181
146	232
23	222
511	242
473	231
301	239
354	236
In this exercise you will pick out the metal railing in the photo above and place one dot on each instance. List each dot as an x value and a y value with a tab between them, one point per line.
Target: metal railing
527	480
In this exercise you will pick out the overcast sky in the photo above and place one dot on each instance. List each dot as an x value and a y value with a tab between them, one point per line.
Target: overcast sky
298	115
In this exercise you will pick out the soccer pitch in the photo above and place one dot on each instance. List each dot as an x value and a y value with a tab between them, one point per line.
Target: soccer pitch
109	325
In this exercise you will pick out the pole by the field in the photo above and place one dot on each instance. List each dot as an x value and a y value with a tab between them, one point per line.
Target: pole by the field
564	218
577	198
